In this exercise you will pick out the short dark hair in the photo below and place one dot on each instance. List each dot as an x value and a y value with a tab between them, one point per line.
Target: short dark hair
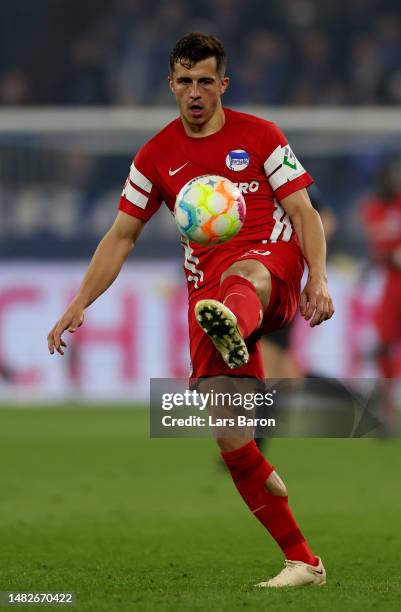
194	48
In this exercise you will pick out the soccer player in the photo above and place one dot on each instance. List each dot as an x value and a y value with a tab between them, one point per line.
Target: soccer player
238	291
381	219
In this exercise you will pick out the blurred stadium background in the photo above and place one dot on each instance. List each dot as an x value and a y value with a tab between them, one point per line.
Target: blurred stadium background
82	86
79	97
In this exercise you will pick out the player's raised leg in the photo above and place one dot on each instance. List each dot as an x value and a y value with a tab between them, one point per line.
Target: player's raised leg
245	290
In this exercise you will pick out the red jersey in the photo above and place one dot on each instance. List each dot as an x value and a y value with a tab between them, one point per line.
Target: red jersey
251	152
382	221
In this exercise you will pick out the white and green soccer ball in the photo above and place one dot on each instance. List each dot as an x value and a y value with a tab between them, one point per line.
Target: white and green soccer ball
209	210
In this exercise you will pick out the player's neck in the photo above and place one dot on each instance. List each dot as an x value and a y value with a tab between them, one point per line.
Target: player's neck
213	125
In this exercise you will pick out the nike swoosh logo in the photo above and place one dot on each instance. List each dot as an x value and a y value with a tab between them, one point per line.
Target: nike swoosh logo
172	172
318	572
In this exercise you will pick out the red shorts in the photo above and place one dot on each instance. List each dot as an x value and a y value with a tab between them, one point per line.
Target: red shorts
285	263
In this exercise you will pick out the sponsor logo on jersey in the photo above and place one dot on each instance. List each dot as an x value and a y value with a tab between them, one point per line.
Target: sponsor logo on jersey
172	172
248	187
237	160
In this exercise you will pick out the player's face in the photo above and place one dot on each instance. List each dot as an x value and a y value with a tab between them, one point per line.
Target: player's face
198	91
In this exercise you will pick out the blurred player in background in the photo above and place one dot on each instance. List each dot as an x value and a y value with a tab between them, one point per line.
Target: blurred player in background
238	291
381	218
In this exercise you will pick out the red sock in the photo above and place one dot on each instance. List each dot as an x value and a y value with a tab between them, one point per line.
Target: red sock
239	295
250	470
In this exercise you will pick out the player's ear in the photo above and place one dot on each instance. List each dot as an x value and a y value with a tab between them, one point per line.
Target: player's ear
225	81
170	82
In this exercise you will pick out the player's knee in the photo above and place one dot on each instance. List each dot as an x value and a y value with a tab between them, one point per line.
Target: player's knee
275	485
254	272
260	278
238	270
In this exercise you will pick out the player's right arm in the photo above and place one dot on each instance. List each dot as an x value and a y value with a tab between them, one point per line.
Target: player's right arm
106	263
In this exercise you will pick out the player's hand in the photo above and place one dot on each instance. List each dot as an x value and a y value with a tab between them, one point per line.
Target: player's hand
316	304
70	321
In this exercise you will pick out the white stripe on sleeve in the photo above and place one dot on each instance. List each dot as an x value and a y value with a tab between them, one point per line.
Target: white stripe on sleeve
140	179
135	196
274	160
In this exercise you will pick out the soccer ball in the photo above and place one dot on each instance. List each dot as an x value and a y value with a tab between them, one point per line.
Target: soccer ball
209	210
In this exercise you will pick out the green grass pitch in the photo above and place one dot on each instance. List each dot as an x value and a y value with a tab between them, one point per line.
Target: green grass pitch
89	503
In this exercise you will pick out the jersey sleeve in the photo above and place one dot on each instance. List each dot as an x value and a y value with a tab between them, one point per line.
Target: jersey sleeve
140	197
284	171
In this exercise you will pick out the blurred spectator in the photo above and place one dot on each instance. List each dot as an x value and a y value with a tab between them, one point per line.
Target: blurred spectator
365	68
14	88
283	52
265	72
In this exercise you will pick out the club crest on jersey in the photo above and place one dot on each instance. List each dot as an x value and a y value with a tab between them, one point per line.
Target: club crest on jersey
237	160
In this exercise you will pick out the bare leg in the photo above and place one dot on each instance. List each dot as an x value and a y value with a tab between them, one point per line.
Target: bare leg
254	271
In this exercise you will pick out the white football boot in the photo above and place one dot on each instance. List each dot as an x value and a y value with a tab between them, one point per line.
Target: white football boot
297	573
220	324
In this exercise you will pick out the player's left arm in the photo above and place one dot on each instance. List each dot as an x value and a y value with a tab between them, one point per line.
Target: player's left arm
316	304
